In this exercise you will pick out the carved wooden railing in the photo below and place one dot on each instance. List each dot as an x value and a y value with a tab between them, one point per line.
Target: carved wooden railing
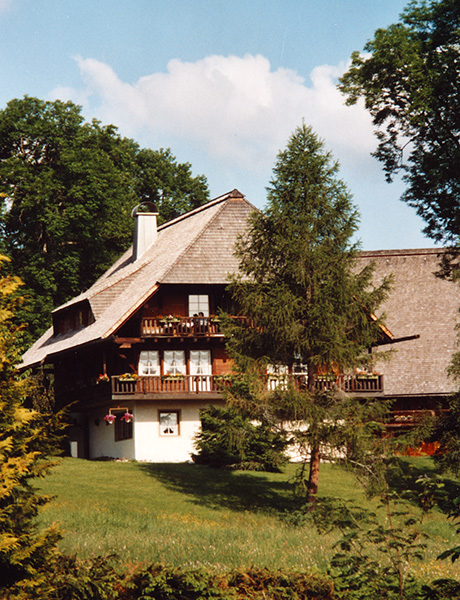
155	384
152	384
368	384
352	384
182	326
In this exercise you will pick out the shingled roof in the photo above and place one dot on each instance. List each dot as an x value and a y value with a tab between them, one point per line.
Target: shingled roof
197	247
422	312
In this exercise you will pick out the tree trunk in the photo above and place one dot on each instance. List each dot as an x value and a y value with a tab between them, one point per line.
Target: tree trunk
313	479
312	489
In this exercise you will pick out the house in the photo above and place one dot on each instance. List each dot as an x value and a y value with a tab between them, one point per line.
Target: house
141	352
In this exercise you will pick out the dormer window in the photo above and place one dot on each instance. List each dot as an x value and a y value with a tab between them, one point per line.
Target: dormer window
73	318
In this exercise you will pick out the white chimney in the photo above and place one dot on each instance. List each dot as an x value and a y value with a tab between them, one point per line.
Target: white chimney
145	227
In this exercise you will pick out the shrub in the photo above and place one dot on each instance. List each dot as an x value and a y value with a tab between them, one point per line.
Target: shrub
229	439
161	583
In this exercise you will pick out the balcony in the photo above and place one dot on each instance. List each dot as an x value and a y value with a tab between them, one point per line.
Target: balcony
182	326
213	384
351	384
169	385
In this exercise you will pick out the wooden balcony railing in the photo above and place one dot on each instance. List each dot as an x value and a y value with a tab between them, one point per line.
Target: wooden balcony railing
155	384
152	384
352	384
182	326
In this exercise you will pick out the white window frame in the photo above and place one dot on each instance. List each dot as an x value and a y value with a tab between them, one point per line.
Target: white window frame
174	362
169	423
200	364
149	362
198	305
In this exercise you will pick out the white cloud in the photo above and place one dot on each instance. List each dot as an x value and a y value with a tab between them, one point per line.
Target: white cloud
5	5
236	109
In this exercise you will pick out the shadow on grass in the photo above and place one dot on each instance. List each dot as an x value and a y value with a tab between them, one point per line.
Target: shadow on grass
215	488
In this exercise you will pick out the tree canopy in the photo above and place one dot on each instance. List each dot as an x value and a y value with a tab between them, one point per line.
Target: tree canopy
409	78
67	190
299	284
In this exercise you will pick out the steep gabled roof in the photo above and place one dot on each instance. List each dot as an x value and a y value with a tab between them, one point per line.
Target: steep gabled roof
197	247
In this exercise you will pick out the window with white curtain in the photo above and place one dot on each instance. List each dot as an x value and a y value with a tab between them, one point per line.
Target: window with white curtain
198	304
169	422
174	362
200	364
149	362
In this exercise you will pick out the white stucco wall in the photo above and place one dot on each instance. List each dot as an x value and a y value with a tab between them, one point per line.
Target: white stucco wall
147	444
153	447
102	439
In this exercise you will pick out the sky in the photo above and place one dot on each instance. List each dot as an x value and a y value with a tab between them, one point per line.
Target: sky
222	83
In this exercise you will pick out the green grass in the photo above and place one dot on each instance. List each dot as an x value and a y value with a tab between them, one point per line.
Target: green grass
190	515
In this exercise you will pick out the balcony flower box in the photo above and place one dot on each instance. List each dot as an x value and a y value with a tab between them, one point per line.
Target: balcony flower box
172	377
169	319
128	377
327	377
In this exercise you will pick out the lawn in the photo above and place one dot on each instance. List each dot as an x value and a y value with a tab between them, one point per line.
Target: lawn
191	515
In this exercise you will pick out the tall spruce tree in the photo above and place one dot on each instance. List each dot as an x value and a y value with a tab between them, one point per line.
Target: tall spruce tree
299	285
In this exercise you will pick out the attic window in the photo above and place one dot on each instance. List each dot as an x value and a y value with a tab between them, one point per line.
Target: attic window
198	304
73	318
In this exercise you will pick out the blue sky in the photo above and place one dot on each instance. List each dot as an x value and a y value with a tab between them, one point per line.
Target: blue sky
223	83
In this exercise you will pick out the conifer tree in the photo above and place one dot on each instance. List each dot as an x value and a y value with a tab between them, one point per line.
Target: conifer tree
25	439
299	285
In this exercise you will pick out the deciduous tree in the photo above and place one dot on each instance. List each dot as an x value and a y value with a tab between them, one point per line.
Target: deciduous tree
67	190
299	285
408	77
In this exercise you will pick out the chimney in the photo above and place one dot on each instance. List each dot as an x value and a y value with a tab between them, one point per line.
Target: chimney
145	227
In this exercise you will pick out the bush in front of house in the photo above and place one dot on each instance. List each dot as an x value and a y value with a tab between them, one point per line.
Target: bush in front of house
229	439
161	583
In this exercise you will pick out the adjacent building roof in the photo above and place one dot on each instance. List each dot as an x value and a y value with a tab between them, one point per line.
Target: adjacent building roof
197	247
420	304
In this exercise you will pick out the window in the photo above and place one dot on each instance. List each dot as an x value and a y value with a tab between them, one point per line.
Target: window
149	362
123	430
198	304
169	422
174	362
200	366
